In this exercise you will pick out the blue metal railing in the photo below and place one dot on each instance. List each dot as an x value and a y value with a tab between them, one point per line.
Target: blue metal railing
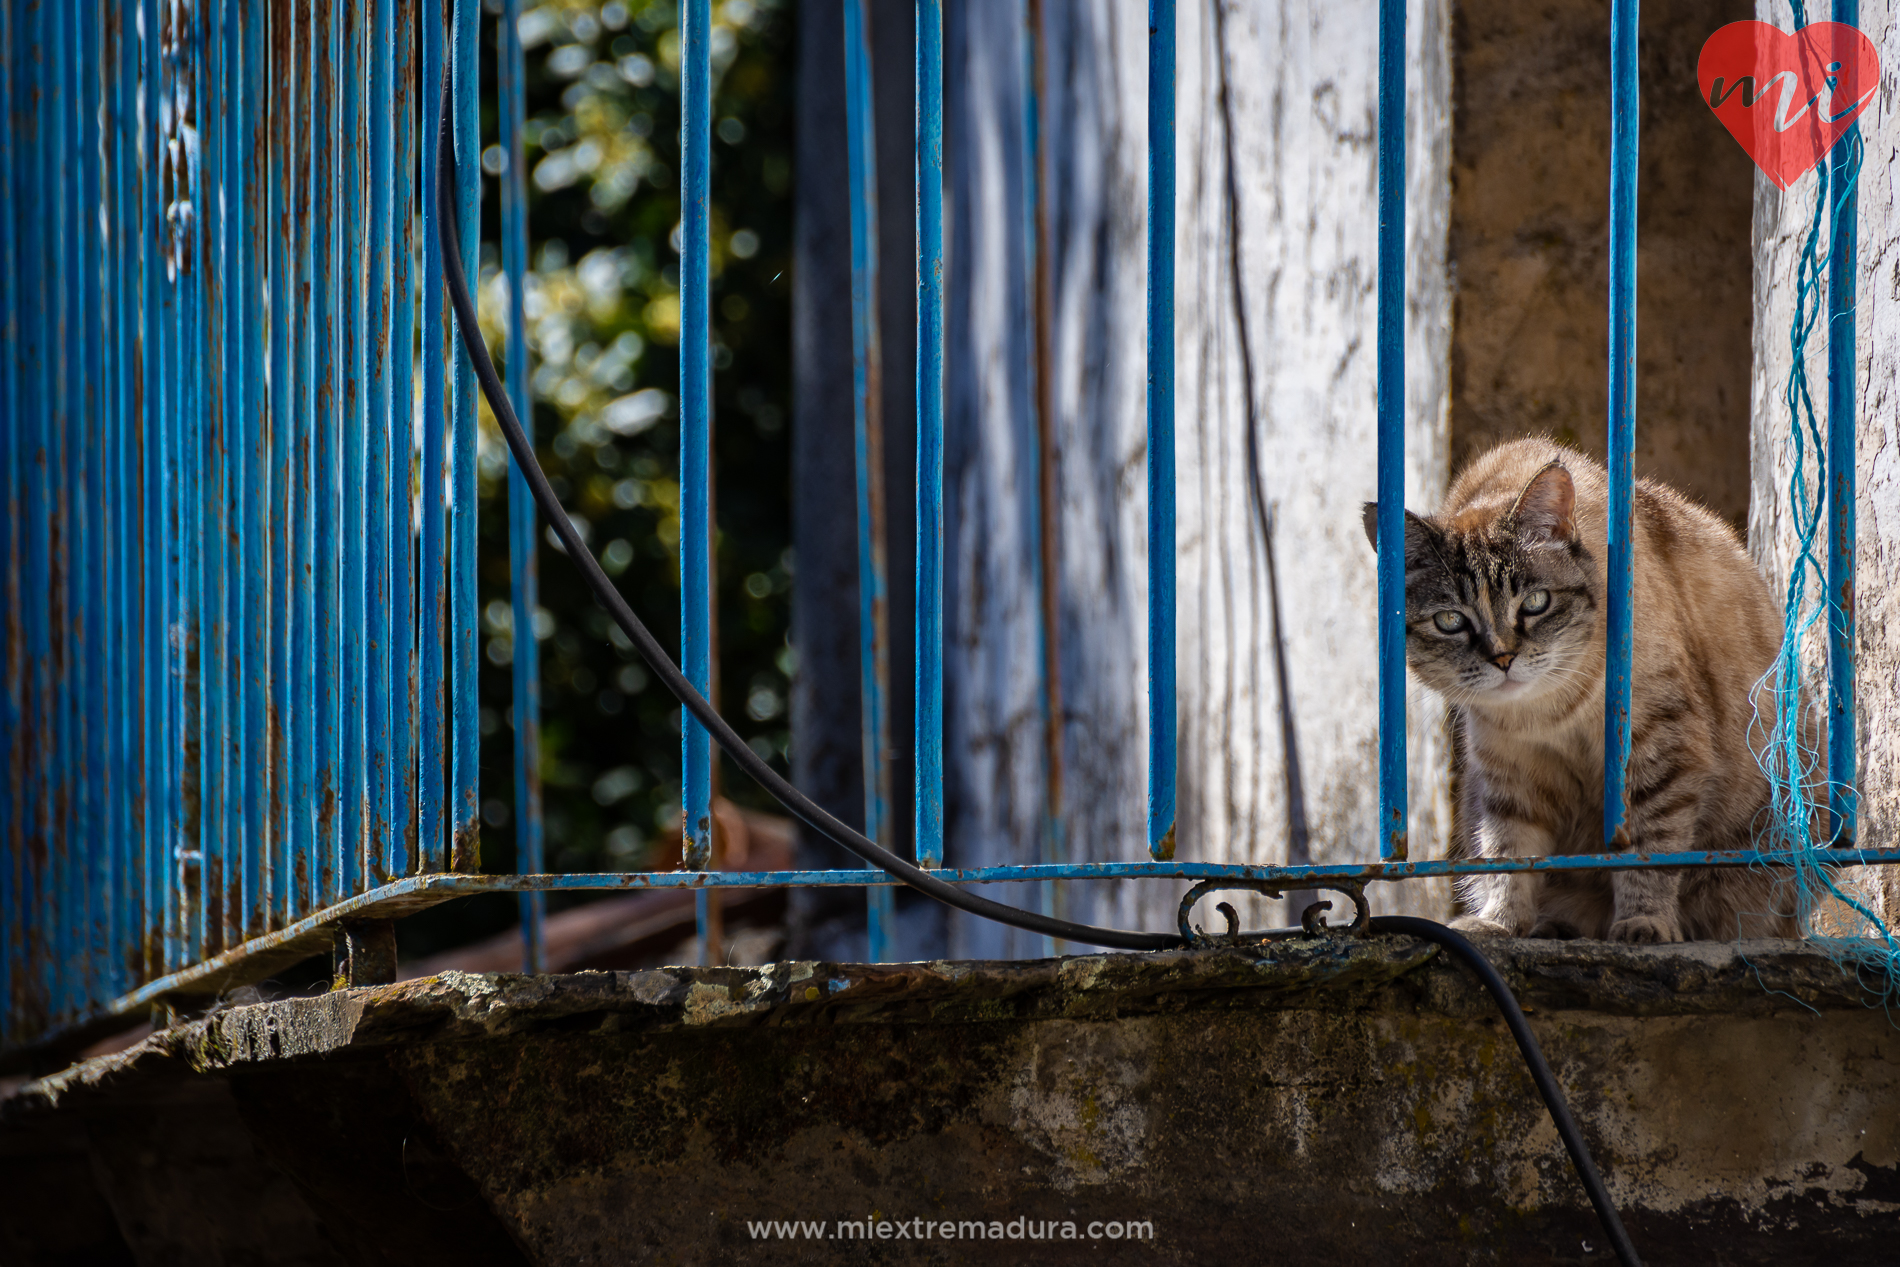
1391	397
867	375
1161	657
1619	628
523	560
238	542
238	664
1842	266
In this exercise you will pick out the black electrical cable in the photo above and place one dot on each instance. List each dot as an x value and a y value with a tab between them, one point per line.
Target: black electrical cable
807	810
815	816
1493	981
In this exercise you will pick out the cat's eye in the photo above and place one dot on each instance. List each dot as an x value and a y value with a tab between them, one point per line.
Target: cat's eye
1449	621
1535	603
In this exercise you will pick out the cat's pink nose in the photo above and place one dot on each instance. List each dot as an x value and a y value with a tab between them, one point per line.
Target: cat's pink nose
1503	660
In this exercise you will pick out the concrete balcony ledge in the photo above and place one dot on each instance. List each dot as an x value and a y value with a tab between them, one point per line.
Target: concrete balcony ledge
1312	1096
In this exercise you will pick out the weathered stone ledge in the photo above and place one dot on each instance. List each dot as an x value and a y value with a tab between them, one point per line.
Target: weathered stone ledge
1320	1095
1740	978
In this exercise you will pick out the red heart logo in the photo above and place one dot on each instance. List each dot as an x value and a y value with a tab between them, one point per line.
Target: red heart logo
1788	98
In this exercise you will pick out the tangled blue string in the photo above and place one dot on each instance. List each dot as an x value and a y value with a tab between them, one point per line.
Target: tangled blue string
1786	709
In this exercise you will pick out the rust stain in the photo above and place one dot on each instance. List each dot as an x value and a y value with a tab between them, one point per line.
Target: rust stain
211	877
467	846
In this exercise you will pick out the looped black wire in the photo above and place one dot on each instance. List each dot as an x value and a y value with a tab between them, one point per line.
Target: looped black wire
815	816
807	810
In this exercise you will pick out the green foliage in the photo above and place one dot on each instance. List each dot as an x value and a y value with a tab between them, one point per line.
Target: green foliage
603	315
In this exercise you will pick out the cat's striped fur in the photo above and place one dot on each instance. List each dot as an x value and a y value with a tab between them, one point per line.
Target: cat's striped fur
1505	598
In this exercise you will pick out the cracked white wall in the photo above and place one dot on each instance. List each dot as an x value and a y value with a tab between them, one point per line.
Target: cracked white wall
1302	79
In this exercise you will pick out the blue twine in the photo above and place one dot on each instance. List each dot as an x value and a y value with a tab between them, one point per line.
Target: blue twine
1791	758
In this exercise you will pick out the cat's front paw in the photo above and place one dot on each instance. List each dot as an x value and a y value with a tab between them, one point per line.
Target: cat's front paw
1646	930
1477	926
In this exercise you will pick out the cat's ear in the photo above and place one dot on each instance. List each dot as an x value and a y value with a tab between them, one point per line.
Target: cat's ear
1544	514
1420	536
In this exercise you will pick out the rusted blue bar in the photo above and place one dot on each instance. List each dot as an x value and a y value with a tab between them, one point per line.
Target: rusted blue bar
1161	548
327	425
352	418
381	624
927	745
1040	448
256	771
1843	269
108	699
124	492
127	537
433	584
68	894
867	377
212	438
523	565
1391	447
94	594
696	597
75	532
153	444
300	232
405	682
276	432
34	764
1618	613
464	773
62	864
193	251
12	844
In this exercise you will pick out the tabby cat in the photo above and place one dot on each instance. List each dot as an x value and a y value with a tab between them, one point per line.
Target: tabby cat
1504	605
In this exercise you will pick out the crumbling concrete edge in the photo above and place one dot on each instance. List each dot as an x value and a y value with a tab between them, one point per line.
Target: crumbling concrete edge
1316	972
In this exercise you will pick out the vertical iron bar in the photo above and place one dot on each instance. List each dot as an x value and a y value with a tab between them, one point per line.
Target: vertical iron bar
381	626
154	445
328	313
1162	720
1042	478
258	774
1391	392
286	311
928	743
1843	264
213	449
464	773
523	566
28	759
68	891
95	594
74	849
353	419
116	574
128	536
867	376
696	600
307	308
1624	121
196	430
433	578
43	943
12	846
405	685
